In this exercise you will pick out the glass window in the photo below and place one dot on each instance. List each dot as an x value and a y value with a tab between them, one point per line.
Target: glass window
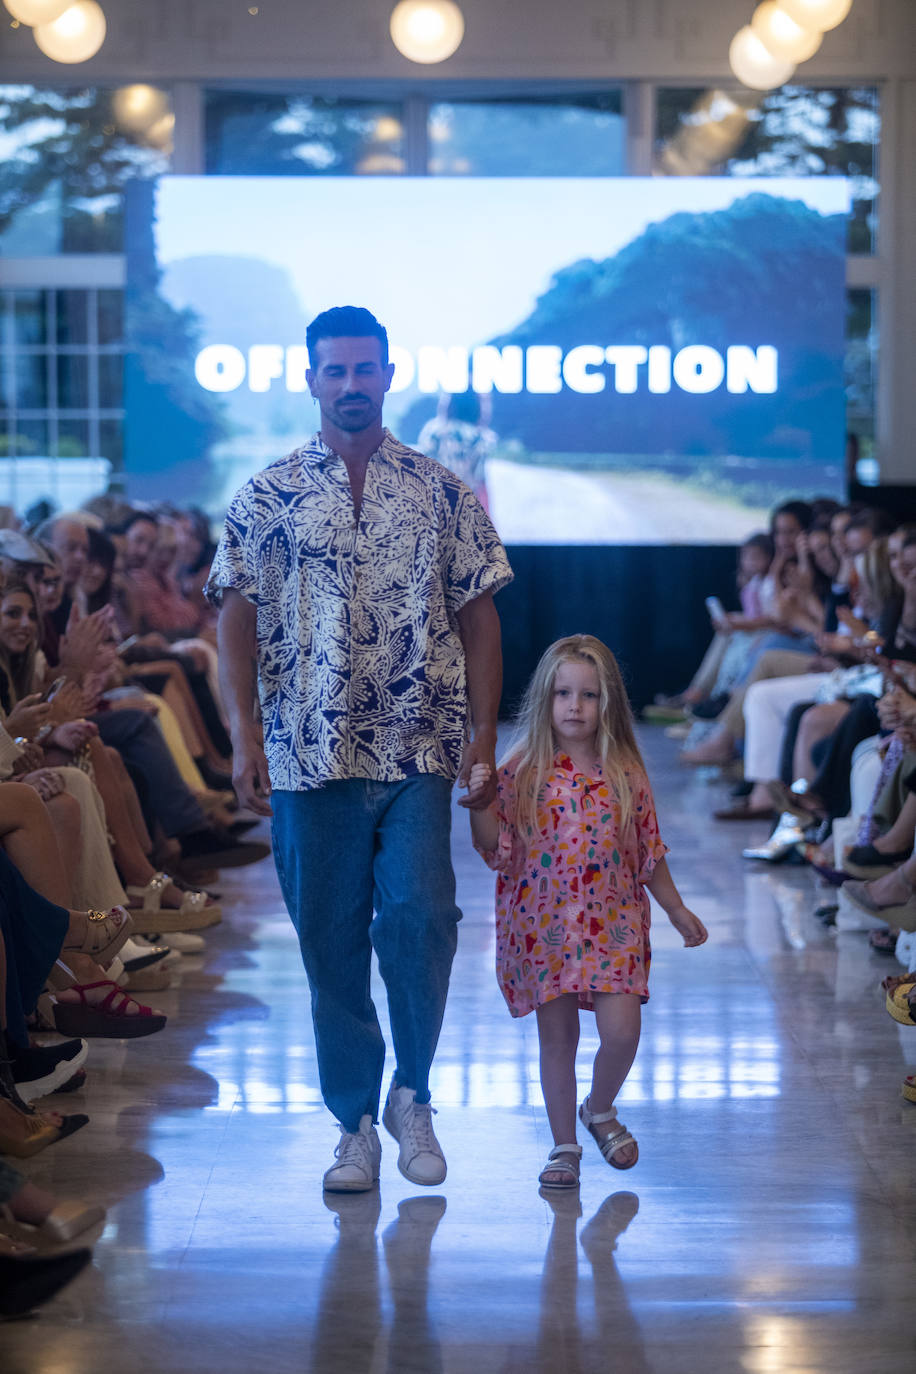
73	381
111	381
111	442
30	317
111	317
793	131
562	136
861	371
30	381
72	317
72	439
67	155
31	439
253	134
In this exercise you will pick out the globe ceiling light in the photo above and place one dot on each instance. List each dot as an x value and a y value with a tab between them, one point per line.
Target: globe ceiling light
817	14
159	134
426	30
138	107
37	11
781	35
74	36
754	65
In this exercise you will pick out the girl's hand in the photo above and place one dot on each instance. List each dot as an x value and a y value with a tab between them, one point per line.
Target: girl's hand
479	777
73	735
27	717
47	782
688	925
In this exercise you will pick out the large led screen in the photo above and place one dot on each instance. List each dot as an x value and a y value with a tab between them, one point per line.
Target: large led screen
607	360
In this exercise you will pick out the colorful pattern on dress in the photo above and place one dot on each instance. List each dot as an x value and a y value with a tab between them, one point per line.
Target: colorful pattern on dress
572	916
361	669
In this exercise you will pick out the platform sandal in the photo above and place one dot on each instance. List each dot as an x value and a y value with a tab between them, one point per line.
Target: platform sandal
108	1018
609	1144
555	1165
106	933
195	913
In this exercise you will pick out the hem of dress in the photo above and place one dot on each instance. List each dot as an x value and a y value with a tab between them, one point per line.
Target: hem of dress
516	1014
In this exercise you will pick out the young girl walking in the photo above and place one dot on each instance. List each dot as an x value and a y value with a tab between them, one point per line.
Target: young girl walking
575	843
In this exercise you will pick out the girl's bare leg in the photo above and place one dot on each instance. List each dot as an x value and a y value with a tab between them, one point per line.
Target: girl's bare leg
134	865
816	724
558	1039
66	821
902	832
618	1016
29	839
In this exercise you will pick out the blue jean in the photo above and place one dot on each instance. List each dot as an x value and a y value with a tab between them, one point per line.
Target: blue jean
343	850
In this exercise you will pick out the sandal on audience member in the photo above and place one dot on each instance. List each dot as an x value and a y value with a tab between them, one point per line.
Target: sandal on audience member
108	1018
195	913
556	1165
106	933
883	941
900	1005
908	1089
614	1141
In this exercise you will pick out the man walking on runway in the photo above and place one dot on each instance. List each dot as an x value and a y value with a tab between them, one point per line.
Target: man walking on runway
356	582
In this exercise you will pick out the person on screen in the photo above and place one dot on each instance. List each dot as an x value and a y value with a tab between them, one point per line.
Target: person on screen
459	438
355	579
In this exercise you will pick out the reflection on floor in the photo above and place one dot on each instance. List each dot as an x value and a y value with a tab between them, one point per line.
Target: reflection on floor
769	1225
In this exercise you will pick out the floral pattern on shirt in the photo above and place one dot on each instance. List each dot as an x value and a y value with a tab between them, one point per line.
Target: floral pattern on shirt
360	664
572	914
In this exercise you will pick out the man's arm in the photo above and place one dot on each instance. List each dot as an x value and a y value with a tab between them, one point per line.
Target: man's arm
478	625
237	640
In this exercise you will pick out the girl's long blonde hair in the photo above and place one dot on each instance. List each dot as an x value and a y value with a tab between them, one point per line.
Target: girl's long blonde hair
533	749
18	675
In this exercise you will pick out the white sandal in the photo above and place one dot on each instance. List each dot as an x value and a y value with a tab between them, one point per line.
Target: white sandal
612	1142
193	914
555	1165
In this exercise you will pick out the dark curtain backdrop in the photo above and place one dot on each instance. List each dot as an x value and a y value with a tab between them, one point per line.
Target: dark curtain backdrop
645	601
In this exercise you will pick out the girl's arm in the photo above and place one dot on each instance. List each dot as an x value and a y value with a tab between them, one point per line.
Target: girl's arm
662	887
484	824
485	829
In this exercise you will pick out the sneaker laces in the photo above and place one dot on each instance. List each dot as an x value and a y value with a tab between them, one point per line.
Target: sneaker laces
353	1148
418	1123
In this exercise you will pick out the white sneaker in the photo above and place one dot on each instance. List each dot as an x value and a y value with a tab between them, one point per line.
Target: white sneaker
184	942
420	1158
359	1155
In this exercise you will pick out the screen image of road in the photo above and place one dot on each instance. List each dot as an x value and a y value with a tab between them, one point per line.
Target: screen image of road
615	360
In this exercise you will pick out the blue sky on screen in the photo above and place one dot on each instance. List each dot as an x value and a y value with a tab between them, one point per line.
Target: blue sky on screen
408	247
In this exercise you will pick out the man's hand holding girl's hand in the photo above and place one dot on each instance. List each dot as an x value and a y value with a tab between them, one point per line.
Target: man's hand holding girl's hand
478	775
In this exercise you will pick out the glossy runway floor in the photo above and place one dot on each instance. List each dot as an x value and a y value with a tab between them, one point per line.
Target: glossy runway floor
769	1225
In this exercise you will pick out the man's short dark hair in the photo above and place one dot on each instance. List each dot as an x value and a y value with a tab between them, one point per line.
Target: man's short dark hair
346	322
134	519
800	510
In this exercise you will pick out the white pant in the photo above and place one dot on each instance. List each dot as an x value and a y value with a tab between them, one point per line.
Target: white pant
766	709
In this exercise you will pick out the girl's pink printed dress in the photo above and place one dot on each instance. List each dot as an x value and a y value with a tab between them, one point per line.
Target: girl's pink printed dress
571	911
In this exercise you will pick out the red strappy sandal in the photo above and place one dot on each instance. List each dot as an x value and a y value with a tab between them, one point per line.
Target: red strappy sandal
108	1019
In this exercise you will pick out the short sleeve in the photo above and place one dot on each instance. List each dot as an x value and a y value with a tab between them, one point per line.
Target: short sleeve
651	849
235	562
476	560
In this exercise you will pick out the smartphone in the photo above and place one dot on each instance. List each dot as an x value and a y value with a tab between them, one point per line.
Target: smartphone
716	610
50	693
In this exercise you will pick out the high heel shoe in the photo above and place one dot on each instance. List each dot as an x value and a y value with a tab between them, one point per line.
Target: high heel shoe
782	842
